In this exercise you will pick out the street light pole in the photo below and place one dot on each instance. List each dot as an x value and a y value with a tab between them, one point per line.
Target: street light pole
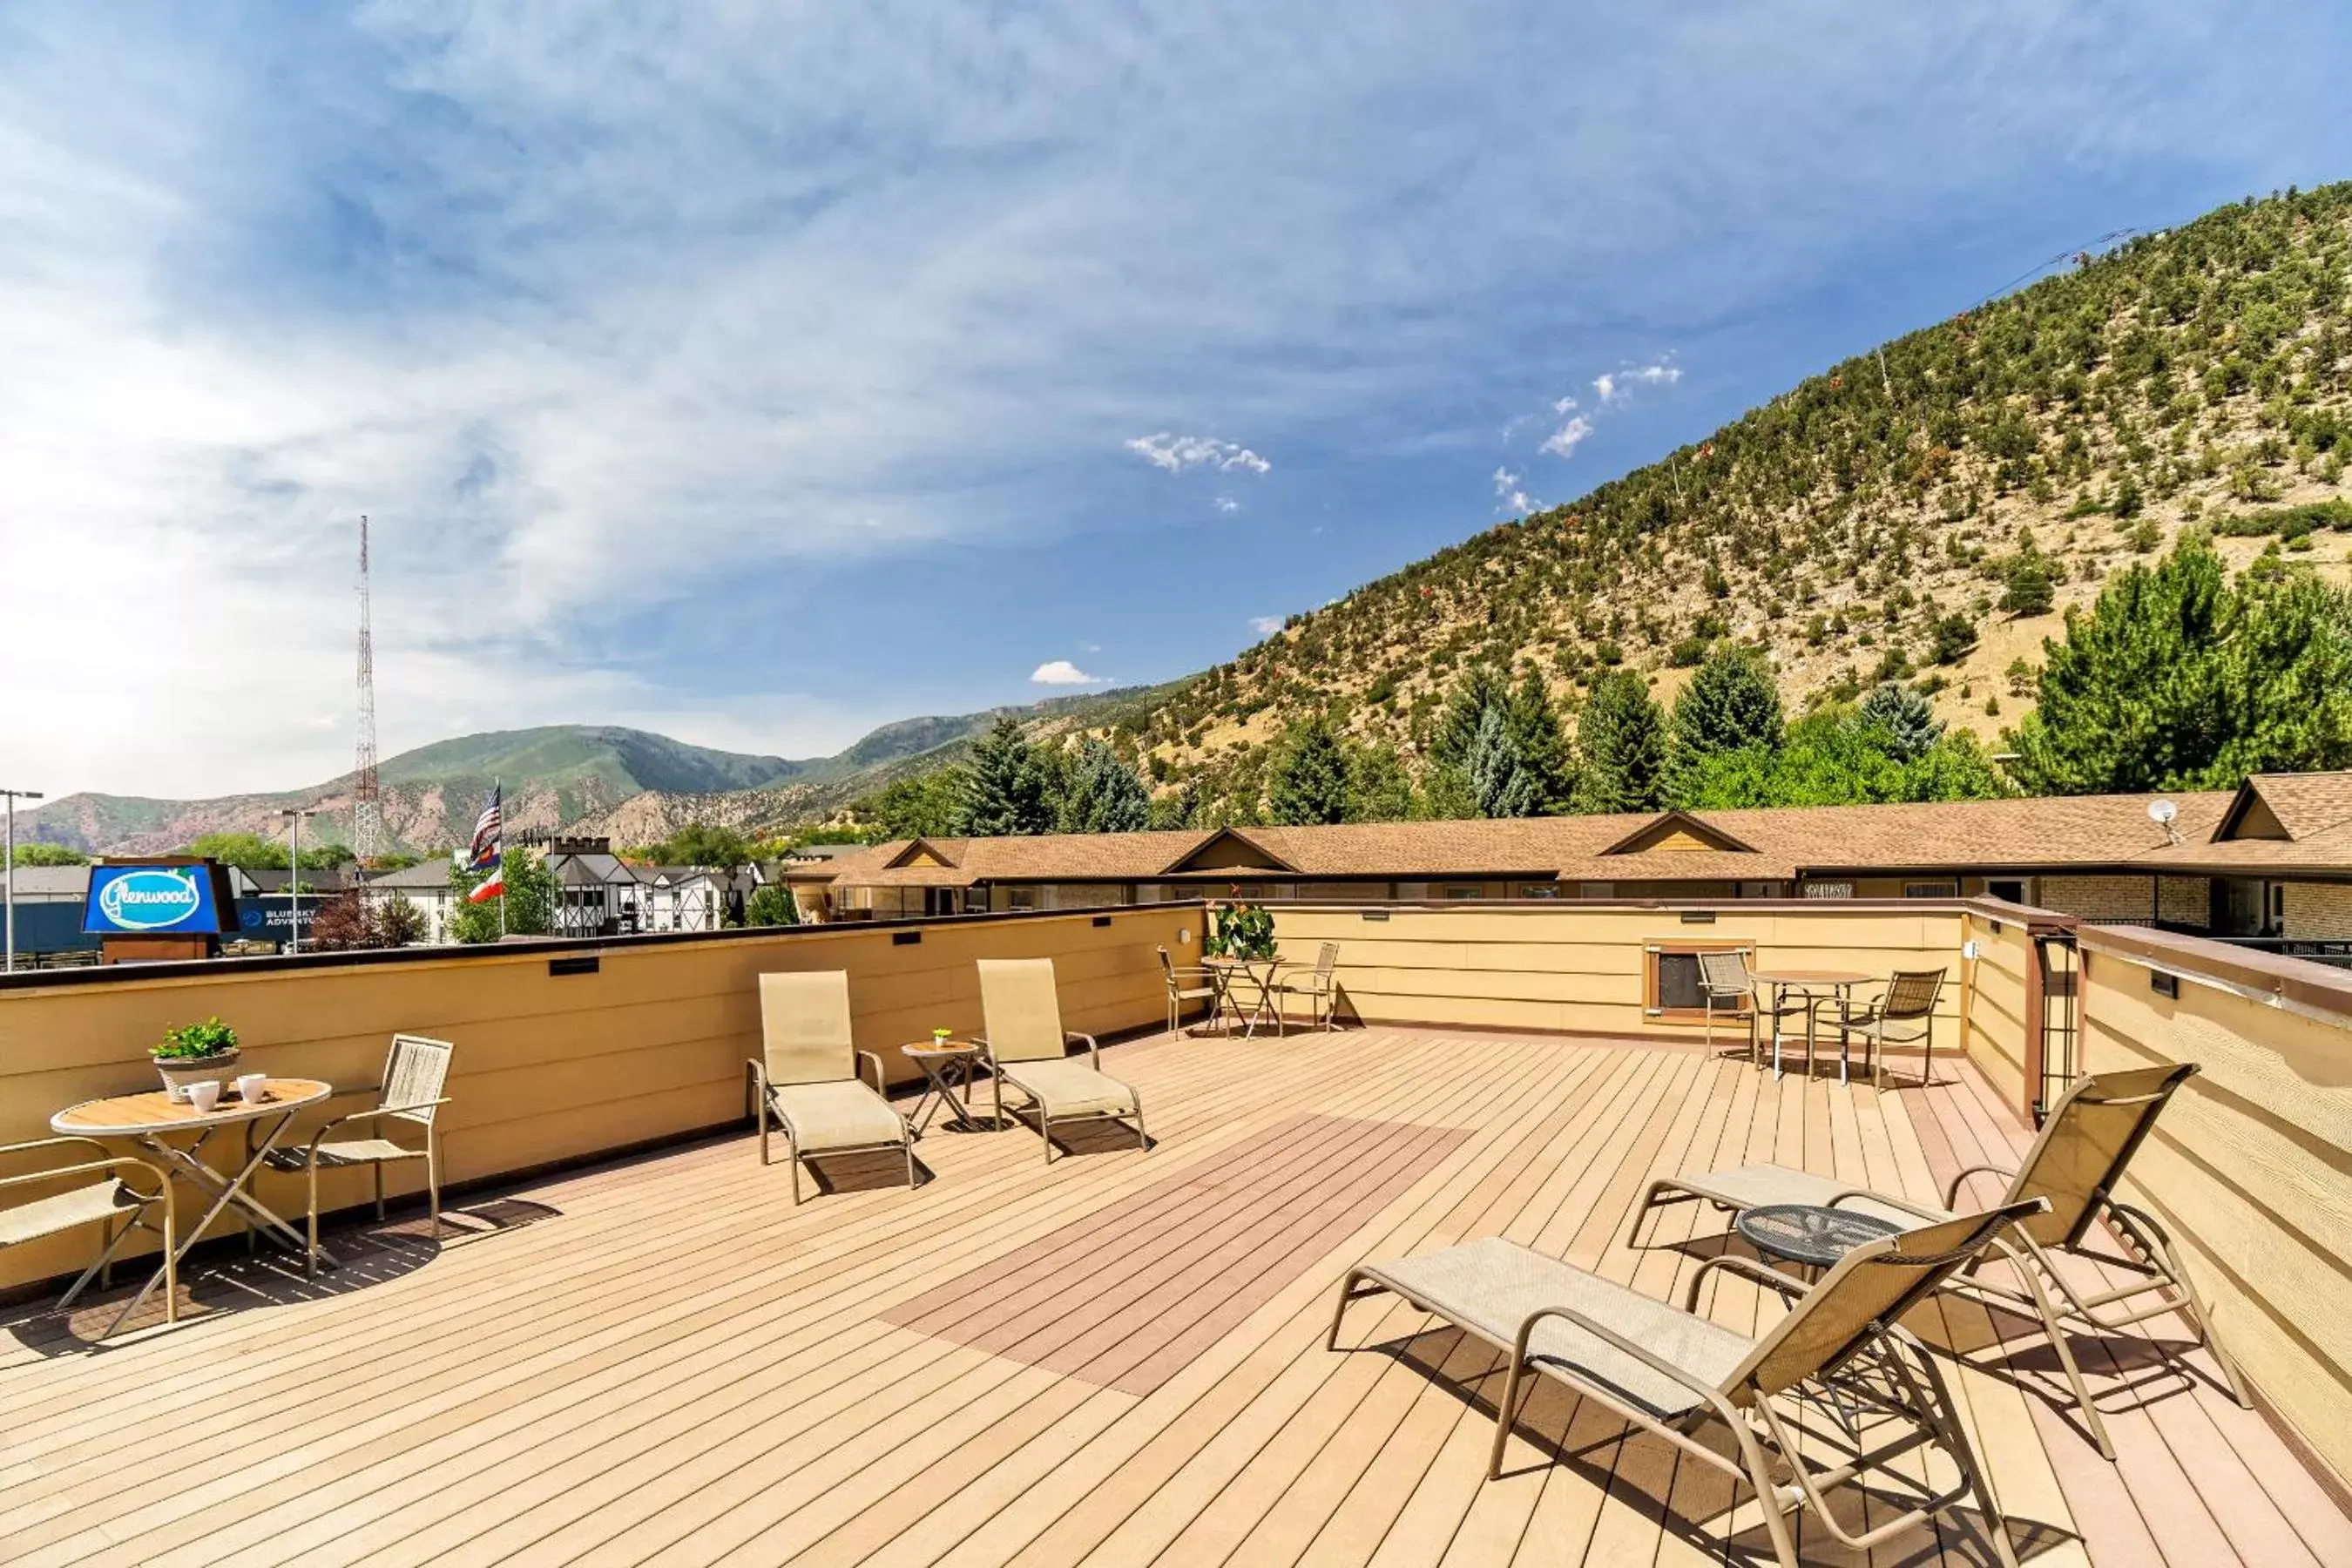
8	899
294	876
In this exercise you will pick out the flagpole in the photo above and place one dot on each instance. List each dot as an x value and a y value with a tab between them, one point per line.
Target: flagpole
499	789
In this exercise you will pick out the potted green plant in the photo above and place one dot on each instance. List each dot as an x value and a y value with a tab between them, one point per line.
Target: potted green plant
1240	930
193	1052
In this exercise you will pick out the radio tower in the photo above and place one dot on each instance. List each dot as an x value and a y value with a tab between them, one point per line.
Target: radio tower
367	806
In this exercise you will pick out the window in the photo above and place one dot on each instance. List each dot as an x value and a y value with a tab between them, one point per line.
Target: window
1463	892
1670	989
2014	892
1931	889
1597	890
1829	889
1020	897
1539	890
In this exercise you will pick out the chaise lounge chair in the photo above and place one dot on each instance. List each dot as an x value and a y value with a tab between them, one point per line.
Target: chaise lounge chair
1029	1050
2090	1136
1668	1370
809	1078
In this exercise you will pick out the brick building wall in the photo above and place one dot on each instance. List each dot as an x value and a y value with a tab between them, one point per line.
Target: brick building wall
2319	912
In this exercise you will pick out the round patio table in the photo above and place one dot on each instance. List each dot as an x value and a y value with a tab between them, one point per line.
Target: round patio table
1816	985
1807	1234
150	1119
1258	971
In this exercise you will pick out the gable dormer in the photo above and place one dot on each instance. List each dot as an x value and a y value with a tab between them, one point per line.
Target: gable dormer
924	853
1228	850
1677	830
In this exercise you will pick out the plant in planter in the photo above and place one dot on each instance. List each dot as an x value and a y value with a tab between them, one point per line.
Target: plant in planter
193	1052
1240	930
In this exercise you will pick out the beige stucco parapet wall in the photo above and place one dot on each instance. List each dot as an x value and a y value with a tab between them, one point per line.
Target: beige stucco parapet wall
549	1066
2251	1168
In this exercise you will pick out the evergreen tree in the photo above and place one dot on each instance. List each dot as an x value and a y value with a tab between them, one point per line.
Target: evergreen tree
1499	782
1909	720
1378	788
2031	582
1842	757
2177	679
1104	795
1480	688
926	805
1732	702
1179	807
1622	740
1446	796
1311	775
1543	750
772	905
1005	785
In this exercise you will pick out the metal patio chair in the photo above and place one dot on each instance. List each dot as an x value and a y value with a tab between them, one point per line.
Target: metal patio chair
111	1203
2075	1165
1838	1350
1903	1013
808	1075
413	1073
1029	1050
1319	985
1185	985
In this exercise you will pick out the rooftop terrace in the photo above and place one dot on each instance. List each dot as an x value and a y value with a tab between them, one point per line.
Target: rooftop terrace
1118	1358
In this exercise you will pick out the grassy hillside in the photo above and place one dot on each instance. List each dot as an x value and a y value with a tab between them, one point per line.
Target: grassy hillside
1863	525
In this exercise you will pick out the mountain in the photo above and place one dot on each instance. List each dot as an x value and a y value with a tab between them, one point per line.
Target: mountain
630	784
1863	524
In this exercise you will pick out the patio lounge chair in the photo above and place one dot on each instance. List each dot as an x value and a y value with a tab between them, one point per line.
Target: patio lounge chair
104	1202
2076	1163
1667	1370
808	1077
410	1091
1029	1050
1185	986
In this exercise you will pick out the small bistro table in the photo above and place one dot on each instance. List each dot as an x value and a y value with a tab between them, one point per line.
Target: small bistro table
1816	985
1257	971
151	1118
947	1067
1810	1235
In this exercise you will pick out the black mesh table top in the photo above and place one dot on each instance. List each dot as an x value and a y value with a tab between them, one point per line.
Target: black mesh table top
1801	1233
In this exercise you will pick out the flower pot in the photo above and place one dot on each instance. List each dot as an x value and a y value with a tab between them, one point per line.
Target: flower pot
181	1071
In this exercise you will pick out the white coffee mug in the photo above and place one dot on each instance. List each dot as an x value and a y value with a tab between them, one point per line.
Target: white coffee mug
205	1095
252	1088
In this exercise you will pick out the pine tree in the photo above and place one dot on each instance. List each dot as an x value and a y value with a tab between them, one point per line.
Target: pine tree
1544	754
1104	795
1499	782
1909	720
1732	702
2176	679
1004	786
1311	775
1622	738
1480	688
1378	788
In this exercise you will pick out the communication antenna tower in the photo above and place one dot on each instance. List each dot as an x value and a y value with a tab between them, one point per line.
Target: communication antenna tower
367	805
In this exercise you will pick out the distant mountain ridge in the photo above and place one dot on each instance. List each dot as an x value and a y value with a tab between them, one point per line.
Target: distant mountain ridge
593	778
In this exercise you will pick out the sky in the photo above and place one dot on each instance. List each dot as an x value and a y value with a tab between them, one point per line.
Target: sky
758	374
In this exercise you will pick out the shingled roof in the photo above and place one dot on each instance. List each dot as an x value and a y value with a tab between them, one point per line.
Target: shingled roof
1778	844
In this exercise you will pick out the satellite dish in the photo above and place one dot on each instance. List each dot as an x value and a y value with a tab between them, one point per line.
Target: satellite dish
2162	812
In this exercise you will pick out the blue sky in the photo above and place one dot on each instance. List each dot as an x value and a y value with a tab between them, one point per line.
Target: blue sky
759	374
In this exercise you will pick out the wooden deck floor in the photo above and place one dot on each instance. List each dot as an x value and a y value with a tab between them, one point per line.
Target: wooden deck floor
1117	1359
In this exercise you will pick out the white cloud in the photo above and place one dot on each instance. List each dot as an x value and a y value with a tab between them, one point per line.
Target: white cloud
1562	405
1062	672
1514	499
1177	453
1615	383
1265	626
1564	441
1227	503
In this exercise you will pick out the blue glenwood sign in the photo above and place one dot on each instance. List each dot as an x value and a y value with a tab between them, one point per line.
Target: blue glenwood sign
157	901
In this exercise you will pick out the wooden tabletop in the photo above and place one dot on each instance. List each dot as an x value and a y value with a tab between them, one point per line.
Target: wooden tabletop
127	1115
941	1048
1810	976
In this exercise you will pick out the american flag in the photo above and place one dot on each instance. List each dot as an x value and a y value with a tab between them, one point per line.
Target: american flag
485	853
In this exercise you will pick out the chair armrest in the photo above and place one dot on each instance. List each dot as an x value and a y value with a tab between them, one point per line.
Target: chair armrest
1734	1263
1952	1193
387	1111
87	1168
1093	1052
881	1084
1878	1198
51	1143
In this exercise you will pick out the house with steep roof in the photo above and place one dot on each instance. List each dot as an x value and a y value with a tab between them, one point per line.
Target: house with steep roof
2272	859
